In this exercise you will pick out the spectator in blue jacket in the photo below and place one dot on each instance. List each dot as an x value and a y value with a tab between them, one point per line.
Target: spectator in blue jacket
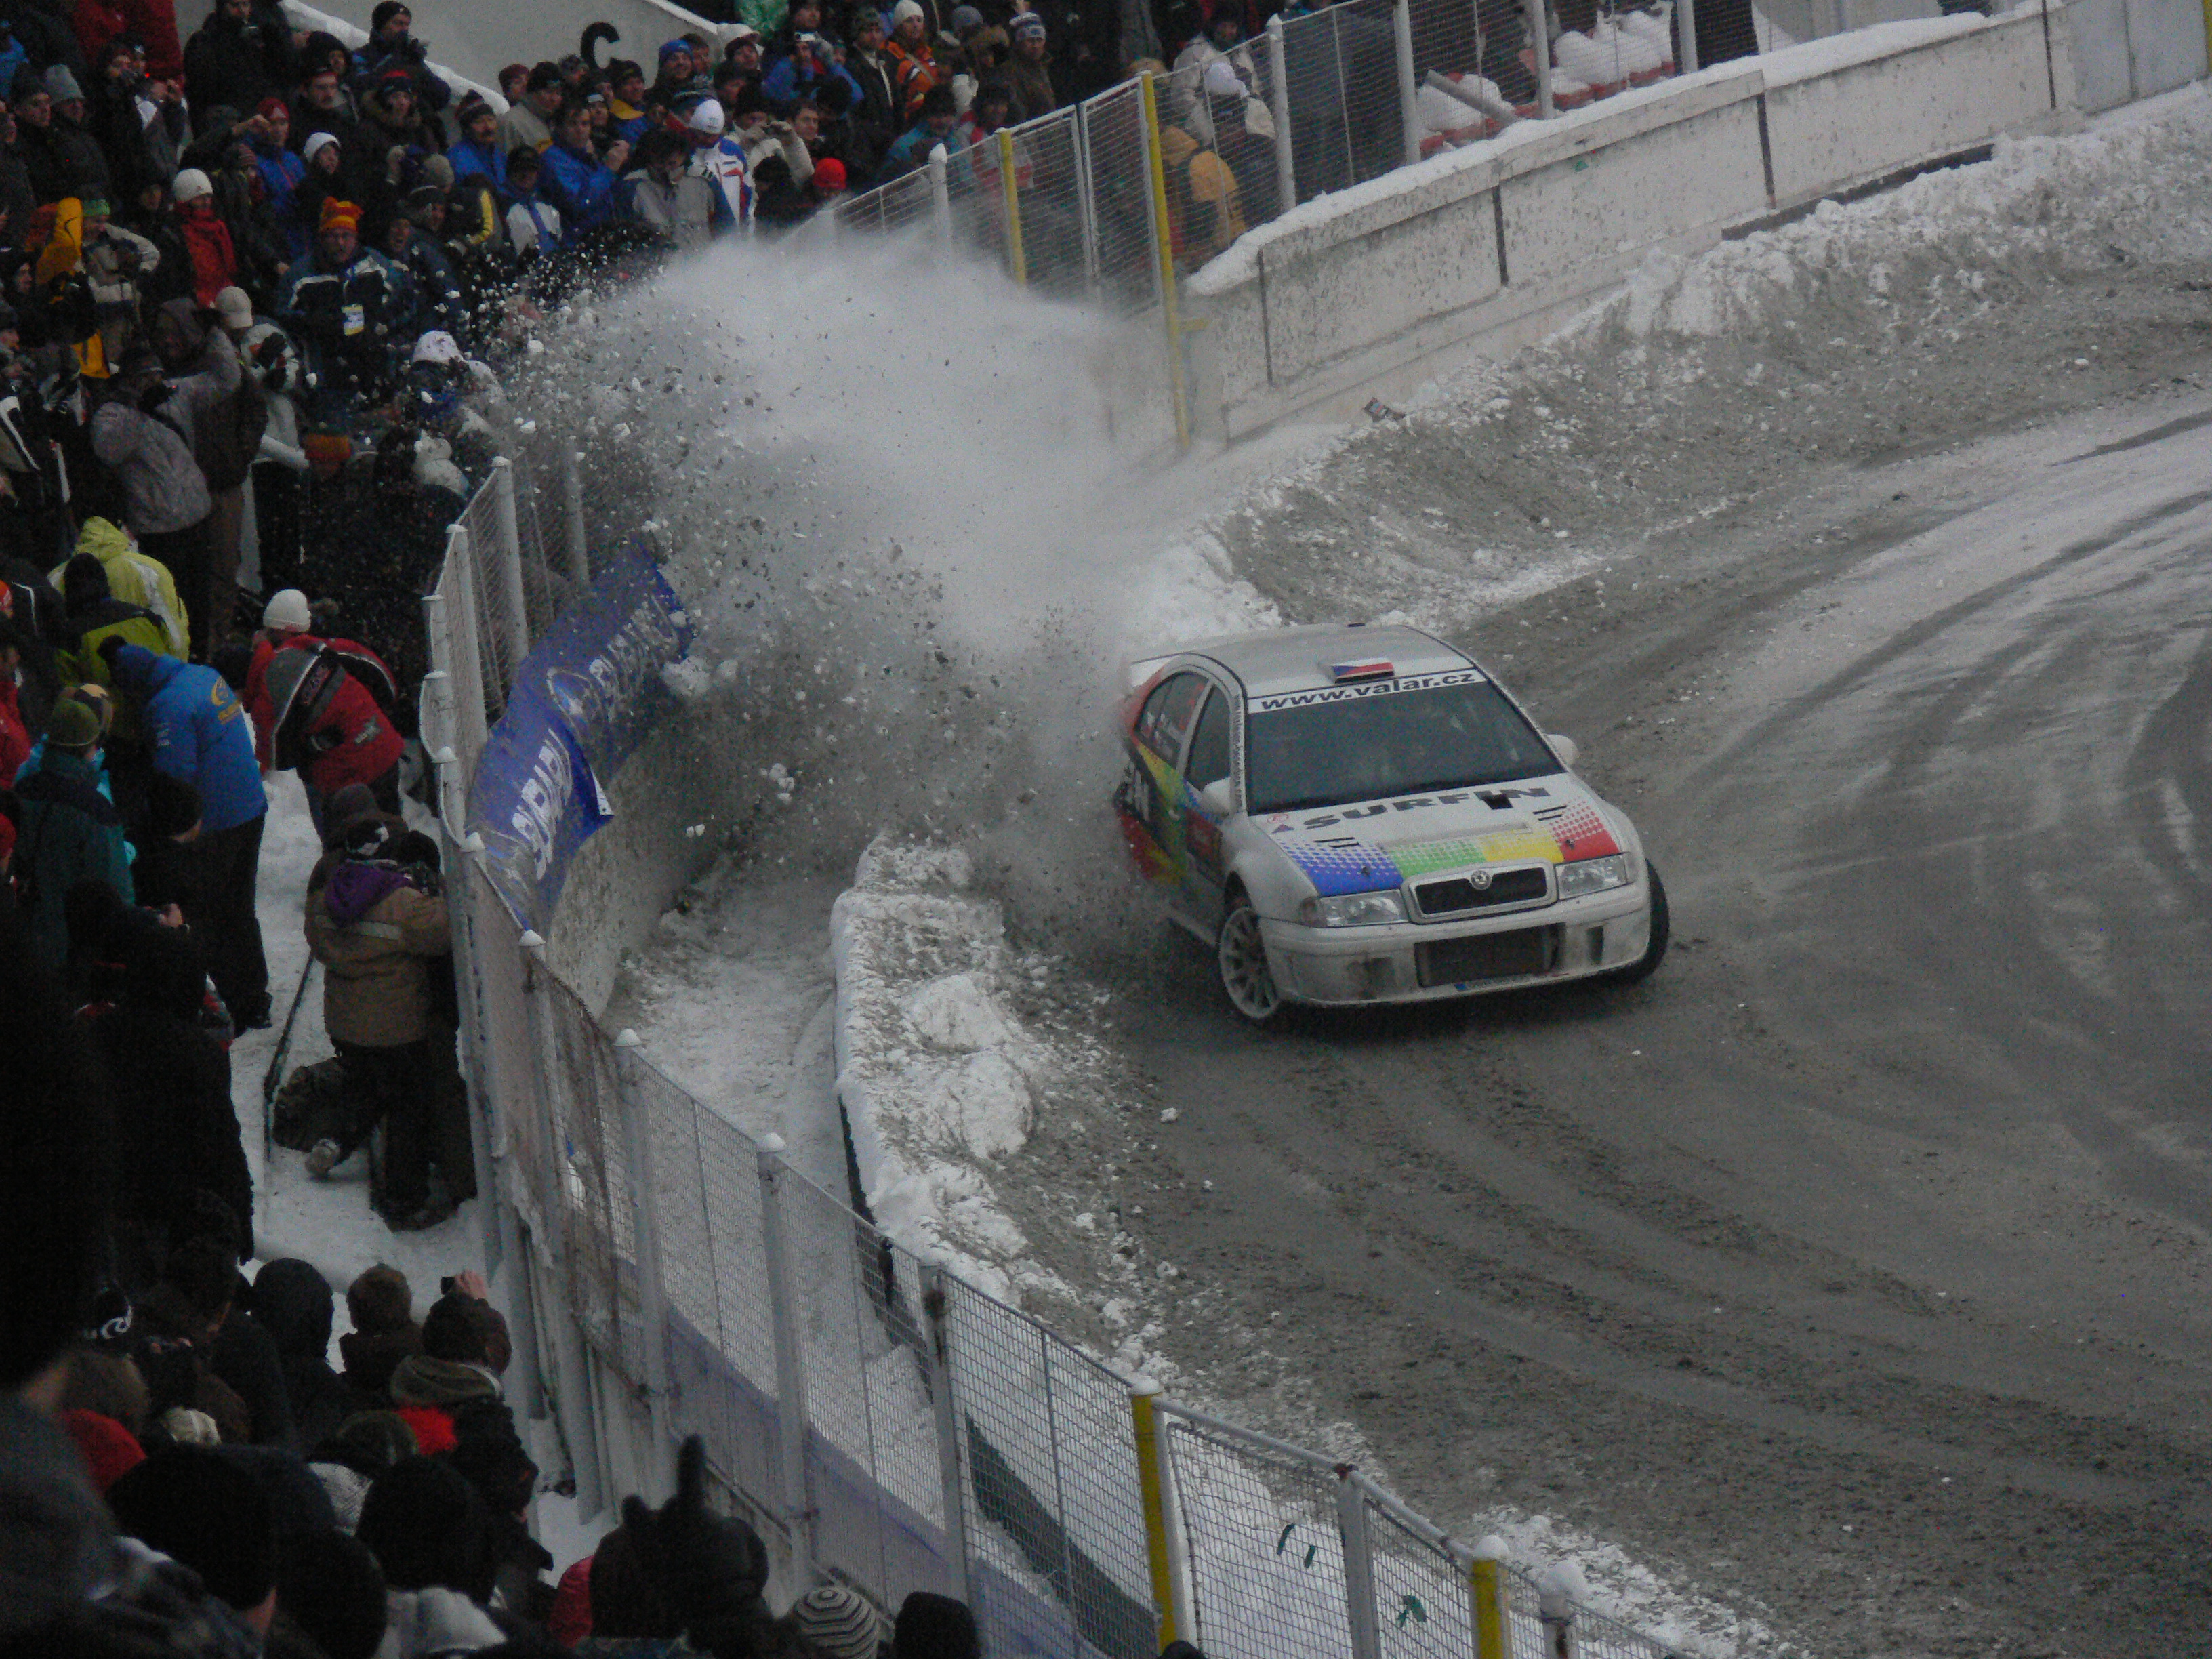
476	152
810	74
576	181
202	736
281	172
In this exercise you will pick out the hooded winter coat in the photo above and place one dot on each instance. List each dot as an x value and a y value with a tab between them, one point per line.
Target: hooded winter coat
293	1301
163	488
375	931
94	615
201	734
133	577
69	832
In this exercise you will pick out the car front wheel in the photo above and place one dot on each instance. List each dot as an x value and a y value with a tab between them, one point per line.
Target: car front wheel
1648	964
1240	955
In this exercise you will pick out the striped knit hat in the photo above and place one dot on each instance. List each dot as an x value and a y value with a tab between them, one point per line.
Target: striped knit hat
835	1623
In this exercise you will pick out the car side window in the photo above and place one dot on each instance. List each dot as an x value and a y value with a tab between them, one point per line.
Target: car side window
1209	746
1166	715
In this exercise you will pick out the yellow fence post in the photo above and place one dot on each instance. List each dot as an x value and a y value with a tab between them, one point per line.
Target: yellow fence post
1485	1581
1142	1392
1158	177
1015	260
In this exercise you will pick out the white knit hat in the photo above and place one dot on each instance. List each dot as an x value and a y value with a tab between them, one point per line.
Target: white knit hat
287	608
904	9
706	119
190	186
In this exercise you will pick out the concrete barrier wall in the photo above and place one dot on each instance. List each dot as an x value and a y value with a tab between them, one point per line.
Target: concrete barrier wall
1489	248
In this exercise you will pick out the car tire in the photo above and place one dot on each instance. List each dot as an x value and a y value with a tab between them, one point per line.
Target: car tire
1240	958
1655	952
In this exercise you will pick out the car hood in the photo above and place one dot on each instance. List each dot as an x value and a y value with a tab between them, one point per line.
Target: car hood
1370	846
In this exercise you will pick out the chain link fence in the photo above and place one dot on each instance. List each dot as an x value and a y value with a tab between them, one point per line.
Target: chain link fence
881	1419
1074	202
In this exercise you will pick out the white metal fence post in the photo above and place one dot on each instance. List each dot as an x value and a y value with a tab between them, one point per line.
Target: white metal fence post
1558	1587
1538	14
1086	194
577	1413
937	1309
515	600
1279	106
1409	91
1686	46
790	1361
572	504
1366	1627
940	193
645	1227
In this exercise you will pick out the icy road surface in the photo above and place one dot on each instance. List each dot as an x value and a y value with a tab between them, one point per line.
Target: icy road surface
1858	1261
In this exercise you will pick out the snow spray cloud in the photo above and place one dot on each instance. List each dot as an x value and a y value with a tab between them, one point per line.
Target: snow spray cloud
884	484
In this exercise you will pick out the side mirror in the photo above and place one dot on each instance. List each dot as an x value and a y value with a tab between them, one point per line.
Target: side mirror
1564	748
1218	798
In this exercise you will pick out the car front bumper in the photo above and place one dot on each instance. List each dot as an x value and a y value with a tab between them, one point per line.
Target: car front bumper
1426	962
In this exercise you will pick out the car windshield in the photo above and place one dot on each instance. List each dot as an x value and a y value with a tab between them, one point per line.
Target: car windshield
1374	748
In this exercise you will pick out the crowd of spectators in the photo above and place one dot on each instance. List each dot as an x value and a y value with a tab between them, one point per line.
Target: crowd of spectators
259	293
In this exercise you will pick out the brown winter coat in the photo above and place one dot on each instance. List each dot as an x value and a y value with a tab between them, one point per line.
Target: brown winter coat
376	988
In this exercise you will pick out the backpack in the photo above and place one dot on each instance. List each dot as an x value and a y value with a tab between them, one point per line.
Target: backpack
302	684
365	668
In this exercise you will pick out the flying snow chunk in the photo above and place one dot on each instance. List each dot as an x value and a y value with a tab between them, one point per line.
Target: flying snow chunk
689	679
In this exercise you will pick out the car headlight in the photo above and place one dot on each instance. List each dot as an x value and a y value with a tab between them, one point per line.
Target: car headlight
1352	910
1596	875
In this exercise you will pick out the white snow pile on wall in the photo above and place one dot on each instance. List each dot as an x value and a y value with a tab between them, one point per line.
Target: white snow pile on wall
939	1078
2140	190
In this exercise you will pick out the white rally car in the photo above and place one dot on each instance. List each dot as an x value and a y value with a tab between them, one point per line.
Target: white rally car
1360	814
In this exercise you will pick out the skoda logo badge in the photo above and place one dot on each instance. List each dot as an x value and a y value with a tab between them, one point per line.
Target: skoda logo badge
1480	879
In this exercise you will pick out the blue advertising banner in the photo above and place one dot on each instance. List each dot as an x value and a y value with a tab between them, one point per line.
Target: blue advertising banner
586	697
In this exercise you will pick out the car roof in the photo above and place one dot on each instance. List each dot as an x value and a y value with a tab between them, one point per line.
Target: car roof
1280	659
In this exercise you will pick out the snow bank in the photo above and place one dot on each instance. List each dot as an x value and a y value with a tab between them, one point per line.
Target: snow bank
937	1076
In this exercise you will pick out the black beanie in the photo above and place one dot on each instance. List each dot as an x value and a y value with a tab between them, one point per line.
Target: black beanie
84	581
196	1506
427	1527
935	1627
330	1587
385	12
173	807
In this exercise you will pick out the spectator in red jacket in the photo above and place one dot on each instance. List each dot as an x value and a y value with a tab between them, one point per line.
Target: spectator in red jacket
350	739
14	736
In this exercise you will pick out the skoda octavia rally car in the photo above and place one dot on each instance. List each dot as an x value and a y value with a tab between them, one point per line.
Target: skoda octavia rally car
1360	814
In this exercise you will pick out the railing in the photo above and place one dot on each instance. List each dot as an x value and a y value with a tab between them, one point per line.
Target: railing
879	1419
